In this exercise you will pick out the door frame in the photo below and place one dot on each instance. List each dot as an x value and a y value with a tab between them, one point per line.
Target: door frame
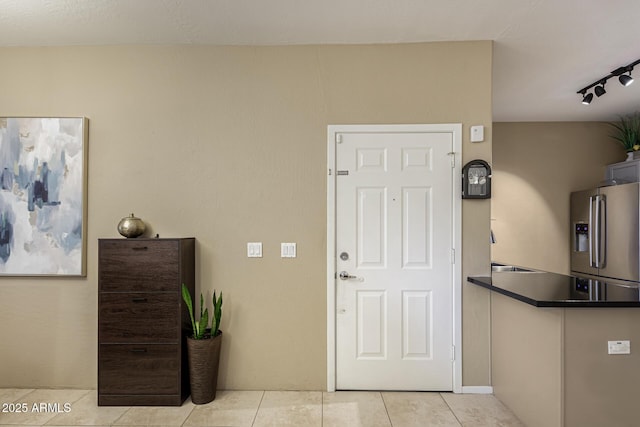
456	130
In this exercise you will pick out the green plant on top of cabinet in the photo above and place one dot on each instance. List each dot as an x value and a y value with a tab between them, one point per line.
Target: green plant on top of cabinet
628	132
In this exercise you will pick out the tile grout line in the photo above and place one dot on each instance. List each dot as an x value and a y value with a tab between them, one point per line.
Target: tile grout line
255	416
450	409
386	410
322	408
88	392
115	422
189	414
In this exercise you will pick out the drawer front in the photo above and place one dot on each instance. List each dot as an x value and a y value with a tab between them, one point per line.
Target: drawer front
139	317
139	265
139	369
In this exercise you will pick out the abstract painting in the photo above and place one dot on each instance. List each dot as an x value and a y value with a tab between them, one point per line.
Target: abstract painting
43	196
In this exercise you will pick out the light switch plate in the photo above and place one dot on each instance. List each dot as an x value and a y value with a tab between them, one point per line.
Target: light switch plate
288	250
254	249
620	347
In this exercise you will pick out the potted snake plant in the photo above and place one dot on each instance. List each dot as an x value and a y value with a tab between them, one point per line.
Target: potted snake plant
203	348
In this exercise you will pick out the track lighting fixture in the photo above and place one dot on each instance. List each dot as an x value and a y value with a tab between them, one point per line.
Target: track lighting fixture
624	77
625	80
586	100
599	90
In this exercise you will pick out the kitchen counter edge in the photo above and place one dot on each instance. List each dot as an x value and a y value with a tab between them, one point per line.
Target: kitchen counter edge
486	282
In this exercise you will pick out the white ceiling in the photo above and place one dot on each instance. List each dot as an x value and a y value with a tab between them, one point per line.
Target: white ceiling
544	50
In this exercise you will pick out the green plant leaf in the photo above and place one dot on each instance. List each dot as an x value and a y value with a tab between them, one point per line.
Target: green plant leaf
627	130
202	325
186	296
217	314
199	328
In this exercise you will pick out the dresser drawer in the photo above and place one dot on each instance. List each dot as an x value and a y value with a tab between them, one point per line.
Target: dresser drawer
136	265
139	369
139	317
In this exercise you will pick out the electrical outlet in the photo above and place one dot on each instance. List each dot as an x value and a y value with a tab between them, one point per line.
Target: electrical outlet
254	249
620	347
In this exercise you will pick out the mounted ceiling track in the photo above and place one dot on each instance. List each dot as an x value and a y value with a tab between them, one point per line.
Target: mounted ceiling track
622	73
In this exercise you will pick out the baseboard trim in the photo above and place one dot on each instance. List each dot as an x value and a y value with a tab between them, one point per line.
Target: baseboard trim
477	389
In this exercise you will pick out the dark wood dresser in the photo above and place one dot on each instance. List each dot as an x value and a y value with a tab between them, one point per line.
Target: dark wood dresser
142	320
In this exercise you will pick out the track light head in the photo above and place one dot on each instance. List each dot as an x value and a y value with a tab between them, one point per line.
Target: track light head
625	80
599	90
586	100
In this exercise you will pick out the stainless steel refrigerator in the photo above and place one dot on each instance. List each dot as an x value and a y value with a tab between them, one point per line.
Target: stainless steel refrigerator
605	232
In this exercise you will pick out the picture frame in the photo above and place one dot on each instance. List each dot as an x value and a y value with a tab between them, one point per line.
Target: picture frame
43	196
476	180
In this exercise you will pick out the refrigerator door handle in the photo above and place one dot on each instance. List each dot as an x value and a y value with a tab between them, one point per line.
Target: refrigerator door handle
591	233
596	232
602	235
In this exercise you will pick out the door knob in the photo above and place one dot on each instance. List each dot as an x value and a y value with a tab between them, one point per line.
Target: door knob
346	276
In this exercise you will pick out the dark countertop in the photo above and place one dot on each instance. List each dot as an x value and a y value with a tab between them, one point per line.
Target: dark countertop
544	289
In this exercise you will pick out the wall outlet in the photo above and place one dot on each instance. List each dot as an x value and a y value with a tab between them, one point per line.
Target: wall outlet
254	249
620	347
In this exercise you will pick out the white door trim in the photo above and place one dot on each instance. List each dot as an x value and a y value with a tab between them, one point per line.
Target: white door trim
456	131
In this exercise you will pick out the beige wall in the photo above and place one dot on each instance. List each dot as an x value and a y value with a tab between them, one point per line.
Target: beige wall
228	144
527	364
535	167
601	389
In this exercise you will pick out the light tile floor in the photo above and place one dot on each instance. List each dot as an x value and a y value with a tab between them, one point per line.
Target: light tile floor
29	407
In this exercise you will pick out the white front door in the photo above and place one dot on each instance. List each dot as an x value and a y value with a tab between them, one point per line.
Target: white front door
394	257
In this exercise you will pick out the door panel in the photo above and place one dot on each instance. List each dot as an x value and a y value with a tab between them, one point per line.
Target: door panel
416	227
417	333
581	232
394	219
371	223
372	325
621	232
371	160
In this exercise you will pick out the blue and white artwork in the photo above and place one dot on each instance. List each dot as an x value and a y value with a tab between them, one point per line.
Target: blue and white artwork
42	191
